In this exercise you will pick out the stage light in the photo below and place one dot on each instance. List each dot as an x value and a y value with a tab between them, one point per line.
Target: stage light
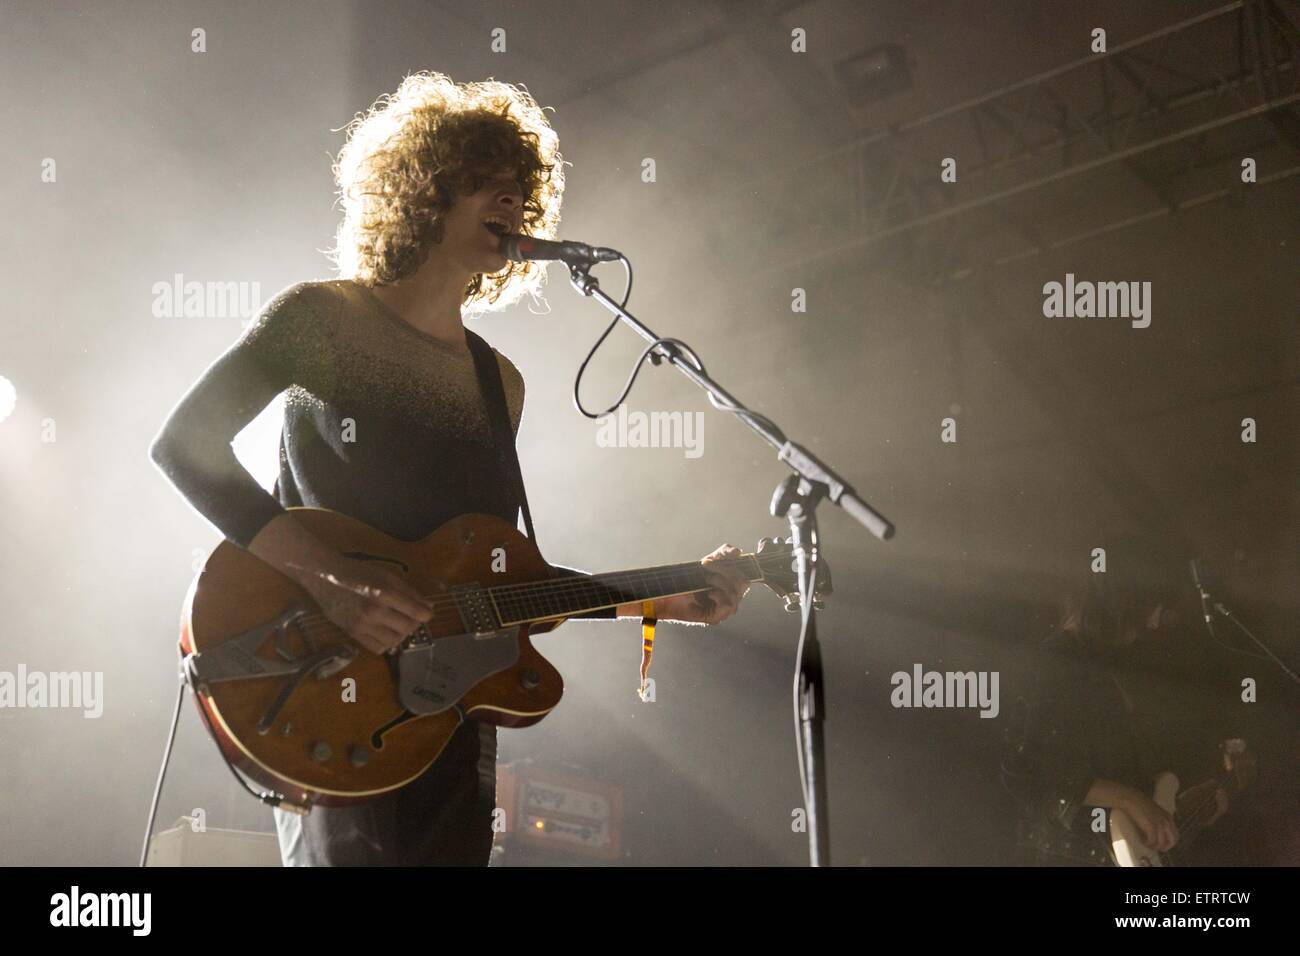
874	74
8	398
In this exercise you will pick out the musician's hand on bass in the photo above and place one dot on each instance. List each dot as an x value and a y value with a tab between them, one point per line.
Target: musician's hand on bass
1158	828
374	605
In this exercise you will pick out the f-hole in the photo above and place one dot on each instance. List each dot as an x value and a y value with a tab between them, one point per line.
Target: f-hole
377	738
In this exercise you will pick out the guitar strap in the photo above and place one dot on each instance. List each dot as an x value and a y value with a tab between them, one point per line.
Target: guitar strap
489	380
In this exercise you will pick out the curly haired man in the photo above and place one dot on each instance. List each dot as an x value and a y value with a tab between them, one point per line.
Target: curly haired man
386	417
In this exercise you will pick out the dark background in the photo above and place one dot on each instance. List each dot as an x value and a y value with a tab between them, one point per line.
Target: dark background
773	173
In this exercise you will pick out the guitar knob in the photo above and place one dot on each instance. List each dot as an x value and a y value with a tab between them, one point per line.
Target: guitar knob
358	756
530	679
321	751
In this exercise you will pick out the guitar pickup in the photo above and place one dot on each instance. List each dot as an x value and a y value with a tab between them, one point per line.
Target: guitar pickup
477	614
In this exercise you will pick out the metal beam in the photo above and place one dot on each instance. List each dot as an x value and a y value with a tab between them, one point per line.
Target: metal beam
1059	176
1011	133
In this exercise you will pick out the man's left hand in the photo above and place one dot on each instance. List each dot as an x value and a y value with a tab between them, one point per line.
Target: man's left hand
715	605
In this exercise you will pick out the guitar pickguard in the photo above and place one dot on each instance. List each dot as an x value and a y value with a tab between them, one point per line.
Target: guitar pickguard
432	677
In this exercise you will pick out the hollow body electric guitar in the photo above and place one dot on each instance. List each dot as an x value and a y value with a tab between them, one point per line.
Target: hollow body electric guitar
299	707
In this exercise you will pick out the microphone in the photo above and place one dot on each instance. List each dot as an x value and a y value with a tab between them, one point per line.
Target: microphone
1205	596
526	248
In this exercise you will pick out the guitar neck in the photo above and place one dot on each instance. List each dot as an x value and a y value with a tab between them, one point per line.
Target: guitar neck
518	604
1193	819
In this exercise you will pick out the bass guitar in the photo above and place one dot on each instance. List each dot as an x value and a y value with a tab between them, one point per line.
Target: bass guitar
1193	809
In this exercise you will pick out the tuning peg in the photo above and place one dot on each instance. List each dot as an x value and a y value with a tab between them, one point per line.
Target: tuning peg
793	602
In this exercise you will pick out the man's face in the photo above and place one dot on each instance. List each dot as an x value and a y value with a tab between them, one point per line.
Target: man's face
1152	617
475	223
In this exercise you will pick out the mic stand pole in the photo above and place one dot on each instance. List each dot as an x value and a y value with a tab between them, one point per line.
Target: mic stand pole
1218	606
796	498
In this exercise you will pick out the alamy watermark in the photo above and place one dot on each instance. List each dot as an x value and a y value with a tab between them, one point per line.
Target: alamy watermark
625	429
76	908
74	690
179	299
1098	300
922	688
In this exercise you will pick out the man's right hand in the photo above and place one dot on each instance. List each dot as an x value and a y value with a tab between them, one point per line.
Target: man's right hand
374	605
1158	828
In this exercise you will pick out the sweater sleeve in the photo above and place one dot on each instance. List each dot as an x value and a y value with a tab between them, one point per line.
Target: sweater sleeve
193	448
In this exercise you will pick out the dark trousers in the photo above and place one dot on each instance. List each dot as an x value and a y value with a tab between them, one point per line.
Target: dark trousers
442	818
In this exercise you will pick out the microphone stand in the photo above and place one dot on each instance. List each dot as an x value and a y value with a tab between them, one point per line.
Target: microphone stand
796	499
1208	602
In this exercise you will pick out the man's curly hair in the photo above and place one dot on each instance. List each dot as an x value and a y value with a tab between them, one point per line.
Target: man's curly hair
414	151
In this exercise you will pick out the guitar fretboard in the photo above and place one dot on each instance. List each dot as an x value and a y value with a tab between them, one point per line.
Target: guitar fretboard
1194	817
517	604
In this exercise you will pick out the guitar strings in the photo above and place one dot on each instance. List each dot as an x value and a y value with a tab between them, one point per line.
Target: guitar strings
1193	815
315	623
578	586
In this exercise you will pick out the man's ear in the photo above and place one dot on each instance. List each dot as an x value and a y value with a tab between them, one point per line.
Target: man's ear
1153	619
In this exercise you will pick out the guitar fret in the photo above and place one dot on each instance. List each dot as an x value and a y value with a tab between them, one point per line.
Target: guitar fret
565	597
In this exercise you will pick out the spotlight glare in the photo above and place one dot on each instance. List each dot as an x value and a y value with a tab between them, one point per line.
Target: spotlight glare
8	398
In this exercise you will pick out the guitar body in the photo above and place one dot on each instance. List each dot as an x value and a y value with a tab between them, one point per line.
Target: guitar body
1126	842
359	724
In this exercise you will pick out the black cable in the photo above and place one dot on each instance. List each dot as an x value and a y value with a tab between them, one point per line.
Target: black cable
805	616
162	772
268	797
636	369
649	352
627	294
748	413
627	291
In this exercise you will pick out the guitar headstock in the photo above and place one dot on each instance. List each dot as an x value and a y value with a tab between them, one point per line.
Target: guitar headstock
1239	763
776	562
